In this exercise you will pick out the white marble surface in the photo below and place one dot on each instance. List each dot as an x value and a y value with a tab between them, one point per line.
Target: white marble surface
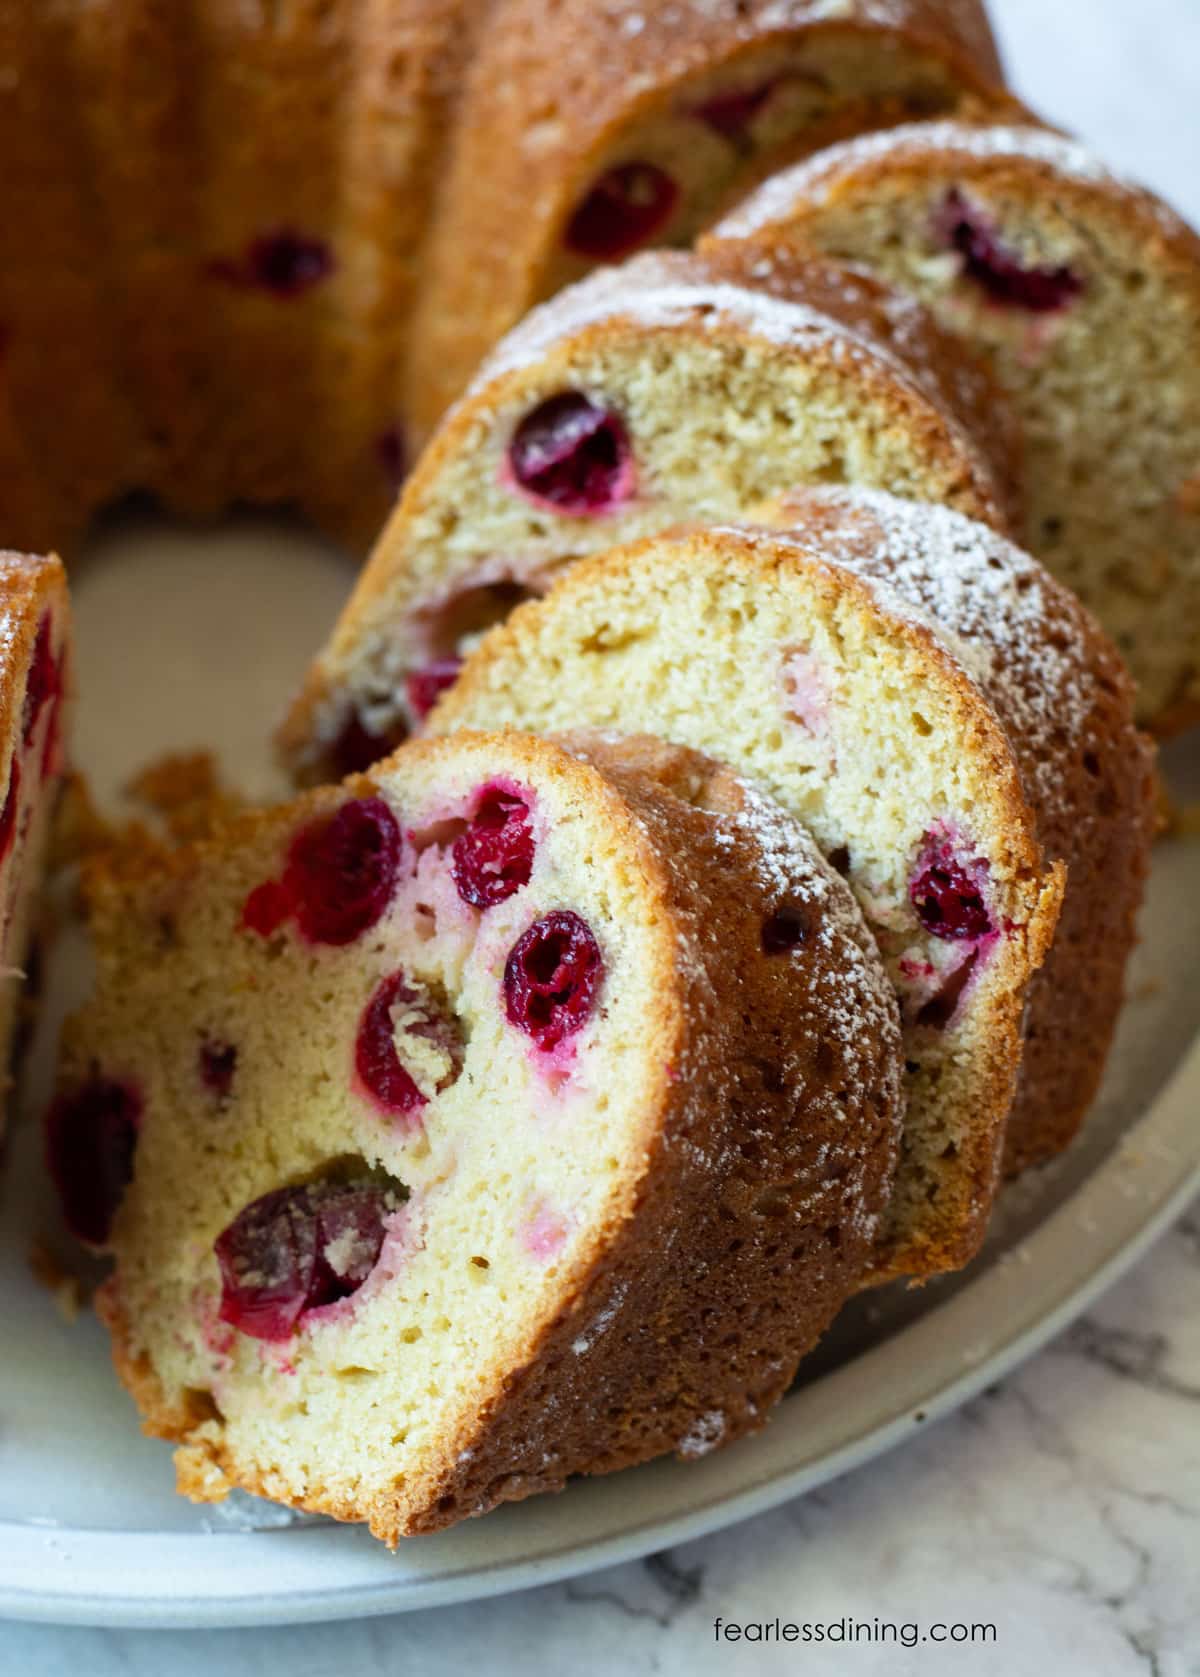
1062	1506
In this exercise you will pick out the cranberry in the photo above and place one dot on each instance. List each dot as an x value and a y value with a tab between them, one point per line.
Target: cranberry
91	1134
494	857
357	747
283	262
732	112
397	1006
218	1062
552	977
296	1249
425	686
8	815
992	265
786	929
340	876
938	1011
625	208
391	451
45	680
947	893
573	455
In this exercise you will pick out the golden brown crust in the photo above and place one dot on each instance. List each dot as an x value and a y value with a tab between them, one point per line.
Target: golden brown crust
576	82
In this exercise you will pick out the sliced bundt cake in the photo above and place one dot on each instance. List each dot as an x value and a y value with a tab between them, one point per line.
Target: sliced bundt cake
673	387
35	633
957	734
1084	294
509	1115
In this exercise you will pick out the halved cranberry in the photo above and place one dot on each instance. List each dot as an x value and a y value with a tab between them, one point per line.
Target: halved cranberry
218	1062
8	815
494	857
425	686
45	680
357	747
948	892
296	1249
573	455
552	977
340	876
397	1008
282	262
622	210
91	1134
992	265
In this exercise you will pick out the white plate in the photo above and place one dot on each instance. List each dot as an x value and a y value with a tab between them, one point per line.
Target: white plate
187	640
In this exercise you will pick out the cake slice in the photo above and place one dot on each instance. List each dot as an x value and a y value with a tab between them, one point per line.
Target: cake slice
35	628
673	387
955	731
509	1115
1083	293
589	132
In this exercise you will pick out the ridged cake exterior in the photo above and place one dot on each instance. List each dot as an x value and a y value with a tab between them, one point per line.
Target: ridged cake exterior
509	1115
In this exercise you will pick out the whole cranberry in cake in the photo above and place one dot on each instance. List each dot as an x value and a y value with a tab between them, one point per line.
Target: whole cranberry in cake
784	930
948	892
574	455
402	1037
296	1249
552	978
625	208
995	267
91	1134
45	679
358	747
424	687
340	876
494	857
283	262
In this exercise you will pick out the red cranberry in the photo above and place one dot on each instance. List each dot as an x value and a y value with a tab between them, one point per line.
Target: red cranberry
91	1134
573	455
784	930
391	451
494	857
296	1249
358	747
8	815
388	1082
624	209
284	263
425	686
552	977
218	1062
45	680
947	893
732	112
992	265
939	1010
340	876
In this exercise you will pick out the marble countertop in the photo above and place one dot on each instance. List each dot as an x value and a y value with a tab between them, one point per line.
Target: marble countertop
1061	1507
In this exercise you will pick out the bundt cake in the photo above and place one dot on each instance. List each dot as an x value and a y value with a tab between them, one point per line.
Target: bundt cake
34	665
674	387
511	1114
220	214
1084	294
955	731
